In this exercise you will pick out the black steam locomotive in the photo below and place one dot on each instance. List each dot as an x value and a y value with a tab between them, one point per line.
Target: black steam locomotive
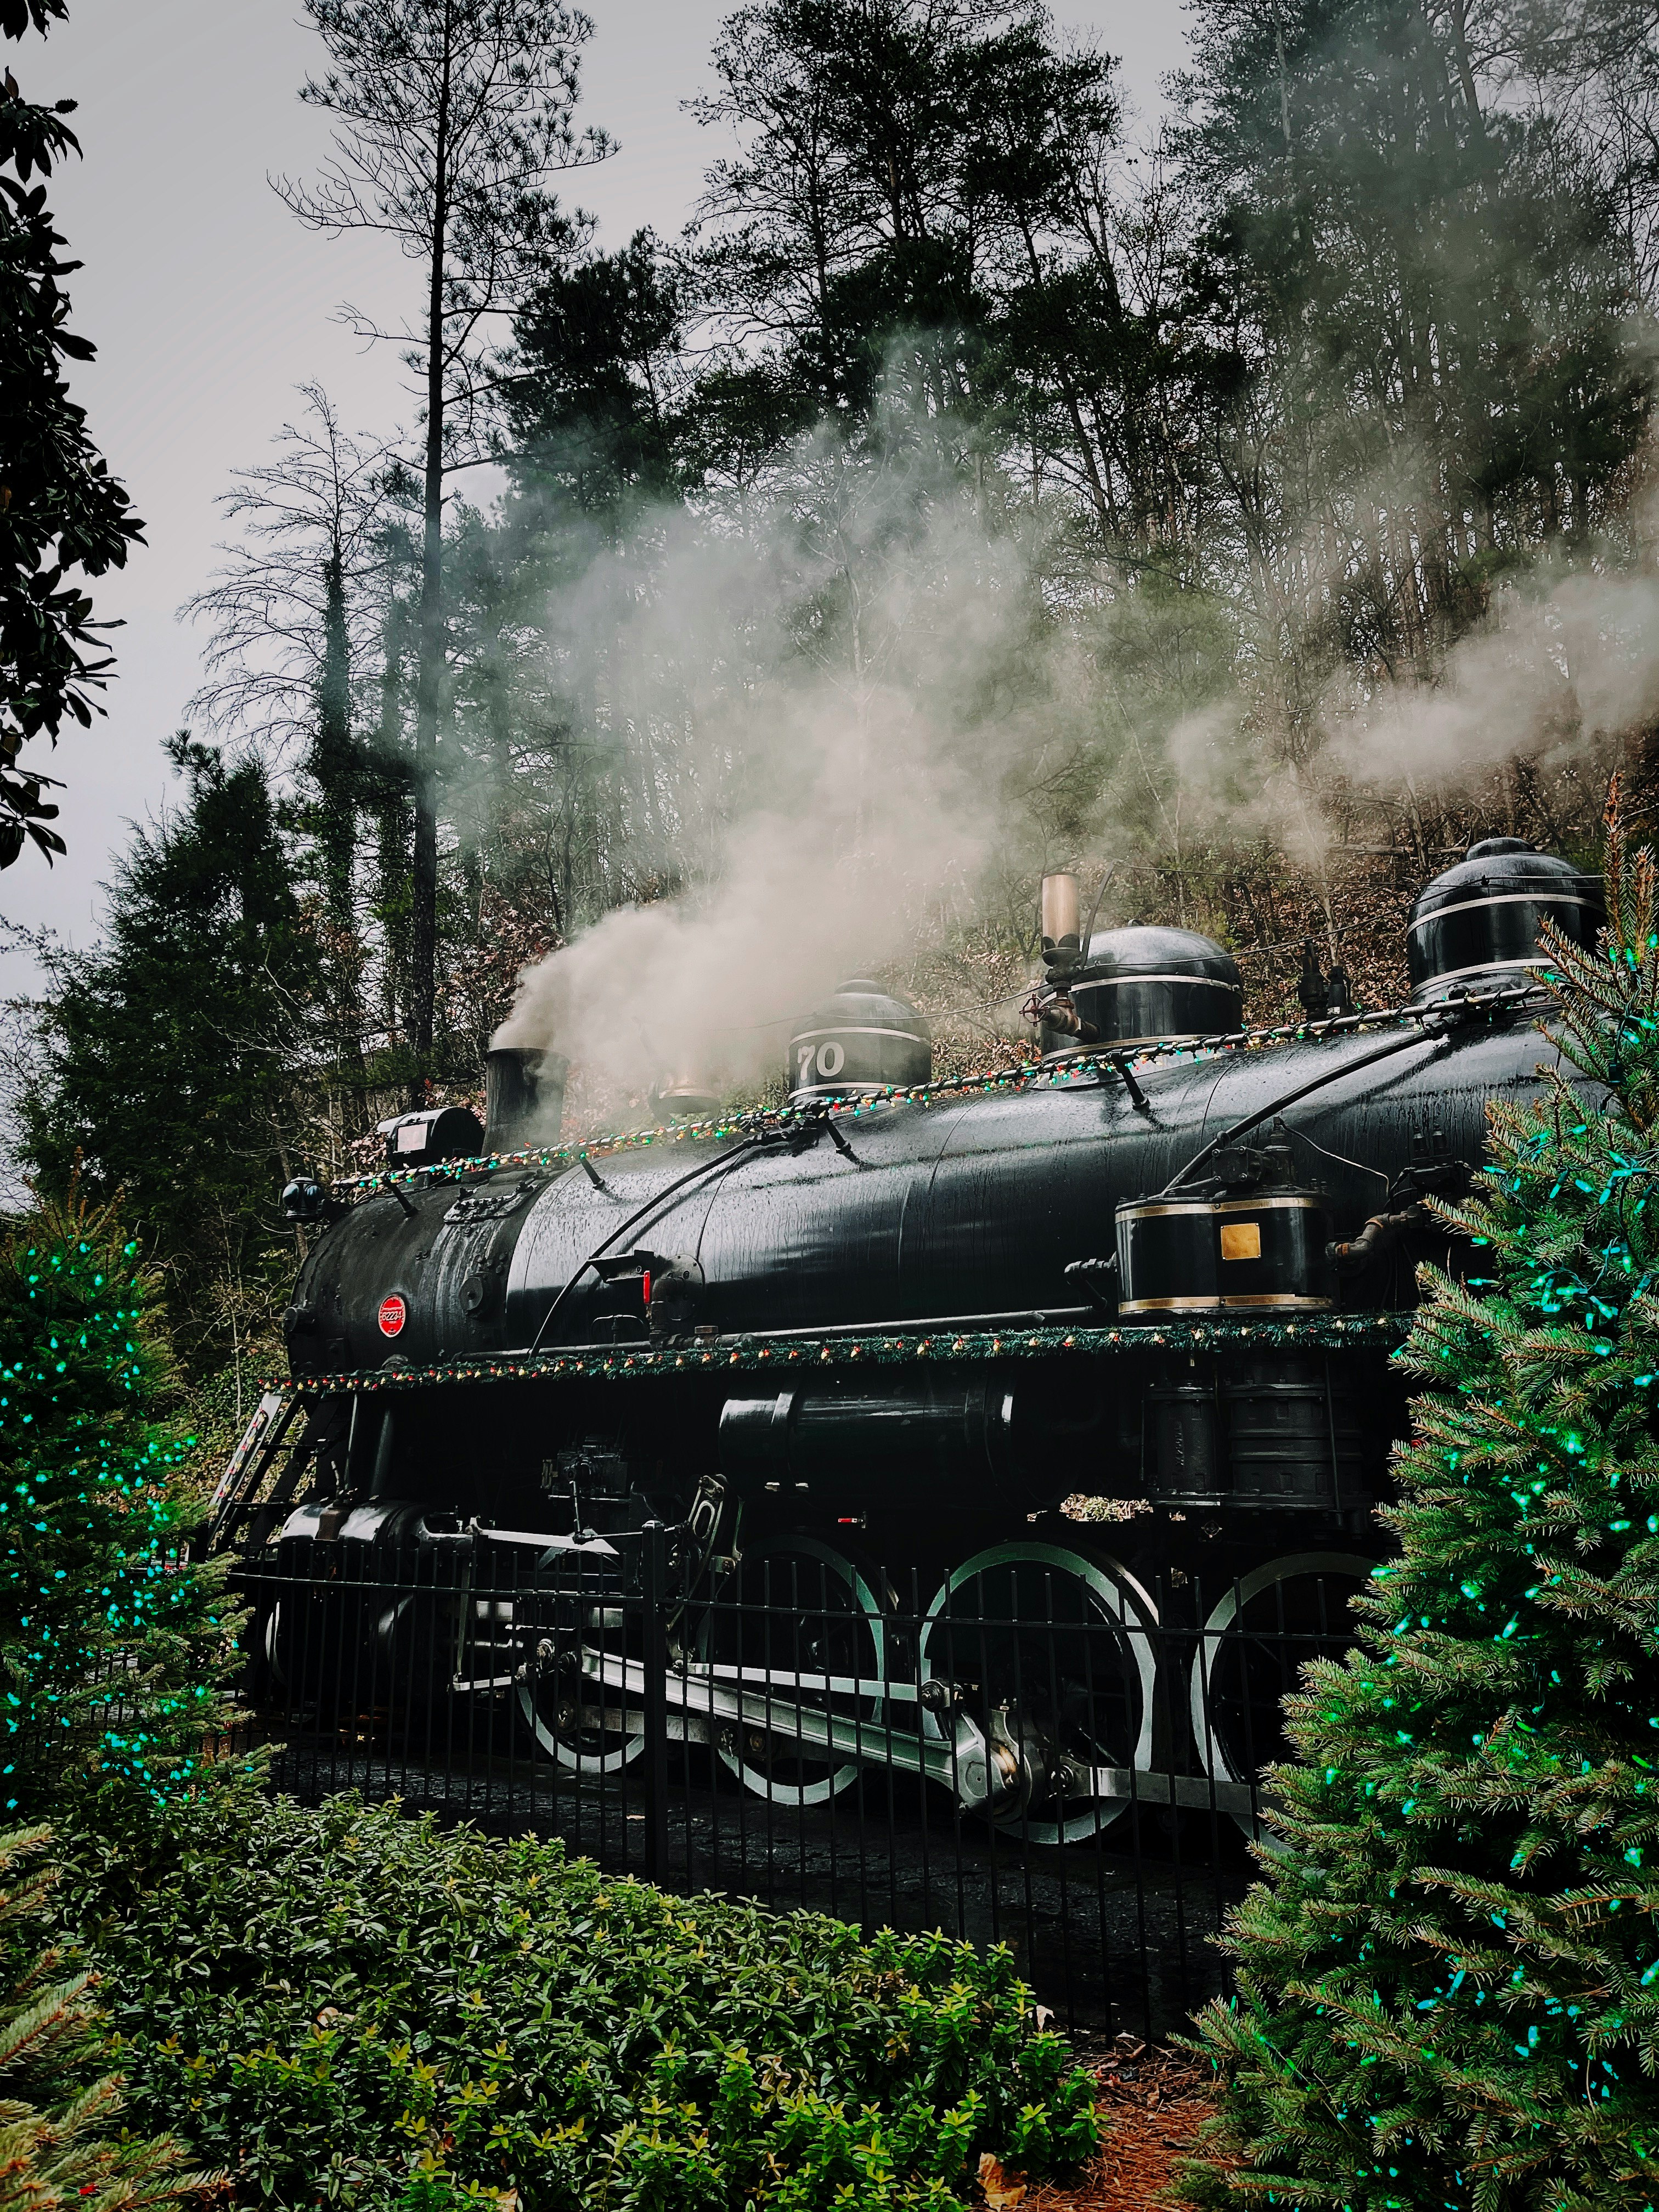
852	1358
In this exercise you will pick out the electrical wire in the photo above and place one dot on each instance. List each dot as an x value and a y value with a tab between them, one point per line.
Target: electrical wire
1342	1157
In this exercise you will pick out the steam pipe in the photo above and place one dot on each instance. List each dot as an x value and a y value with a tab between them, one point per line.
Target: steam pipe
1290	1097
1380	1234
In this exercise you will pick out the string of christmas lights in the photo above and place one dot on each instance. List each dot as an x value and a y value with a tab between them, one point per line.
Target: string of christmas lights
873	1348
781	1121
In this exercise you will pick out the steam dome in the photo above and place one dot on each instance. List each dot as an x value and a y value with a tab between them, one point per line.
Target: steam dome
858	1042
1157	982
1476	926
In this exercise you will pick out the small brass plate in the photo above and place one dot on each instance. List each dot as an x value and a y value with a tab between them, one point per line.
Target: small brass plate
1241	1240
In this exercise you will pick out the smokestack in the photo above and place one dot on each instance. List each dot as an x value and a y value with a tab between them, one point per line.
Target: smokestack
523	1097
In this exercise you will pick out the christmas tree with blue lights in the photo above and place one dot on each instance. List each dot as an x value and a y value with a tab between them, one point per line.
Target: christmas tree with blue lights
1448	1984
113	1647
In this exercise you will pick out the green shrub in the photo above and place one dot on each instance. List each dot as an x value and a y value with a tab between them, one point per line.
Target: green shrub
345	2006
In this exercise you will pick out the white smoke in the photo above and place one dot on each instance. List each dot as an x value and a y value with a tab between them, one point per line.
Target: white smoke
1552	674
703	988
858	771
849	769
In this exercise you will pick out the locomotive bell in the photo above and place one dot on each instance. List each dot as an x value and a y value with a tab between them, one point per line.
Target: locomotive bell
860	1041
684	1098
1476	927
1143	982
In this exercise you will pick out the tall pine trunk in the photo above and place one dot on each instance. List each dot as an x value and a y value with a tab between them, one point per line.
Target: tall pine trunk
392	838
432	647
333	764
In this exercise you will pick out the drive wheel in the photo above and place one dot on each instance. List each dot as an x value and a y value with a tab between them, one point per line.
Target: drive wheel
798	1625
588	1727
1251	1652
1056	1641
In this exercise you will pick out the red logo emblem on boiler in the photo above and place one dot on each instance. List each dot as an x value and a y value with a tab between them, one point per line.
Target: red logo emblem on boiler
393	1314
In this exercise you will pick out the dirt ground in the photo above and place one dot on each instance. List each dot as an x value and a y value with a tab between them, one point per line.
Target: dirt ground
1152	2105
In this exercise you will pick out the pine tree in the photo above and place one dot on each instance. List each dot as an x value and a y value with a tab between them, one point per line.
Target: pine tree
58	2154
113	1646
177	1048
1448	1986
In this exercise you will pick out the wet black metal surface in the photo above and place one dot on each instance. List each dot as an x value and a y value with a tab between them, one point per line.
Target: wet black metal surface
972	1207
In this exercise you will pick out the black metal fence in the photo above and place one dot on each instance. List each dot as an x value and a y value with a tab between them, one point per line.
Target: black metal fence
1029	1753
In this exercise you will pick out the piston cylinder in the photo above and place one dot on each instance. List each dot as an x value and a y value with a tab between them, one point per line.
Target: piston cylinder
935	1436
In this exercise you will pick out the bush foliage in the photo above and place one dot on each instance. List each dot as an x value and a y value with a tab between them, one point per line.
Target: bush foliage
63	2150
343	2007
347	2007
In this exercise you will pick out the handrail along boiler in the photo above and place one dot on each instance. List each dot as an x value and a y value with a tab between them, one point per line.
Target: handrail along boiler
881	1336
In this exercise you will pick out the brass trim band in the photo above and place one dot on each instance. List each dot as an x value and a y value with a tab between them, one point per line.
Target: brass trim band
1151	1212
1544	896
1213	1305
1533	959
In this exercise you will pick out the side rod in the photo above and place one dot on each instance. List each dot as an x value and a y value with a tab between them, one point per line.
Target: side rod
966	1764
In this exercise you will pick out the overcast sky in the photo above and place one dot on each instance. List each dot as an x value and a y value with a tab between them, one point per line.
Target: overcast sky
209	304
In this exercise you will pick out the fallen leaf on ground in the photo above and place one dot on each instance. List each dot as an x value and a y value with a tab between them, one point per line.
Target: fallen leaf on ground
1002	2190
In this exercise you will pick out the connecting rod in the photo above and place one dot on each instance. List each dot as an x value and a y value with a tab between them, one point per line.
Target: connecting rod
982	1771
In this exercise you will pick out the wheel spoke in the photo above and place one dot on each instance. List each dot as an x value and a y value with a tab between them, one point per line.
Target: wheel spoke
1048	1645
800	1614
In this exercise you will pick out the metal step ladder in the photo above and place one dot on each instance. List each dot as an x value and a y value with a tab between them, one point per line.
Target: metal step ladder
236	1497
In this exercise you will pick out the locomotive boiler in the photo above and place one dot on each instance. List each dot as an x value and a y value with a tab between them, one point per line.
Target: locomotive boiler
844	1364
